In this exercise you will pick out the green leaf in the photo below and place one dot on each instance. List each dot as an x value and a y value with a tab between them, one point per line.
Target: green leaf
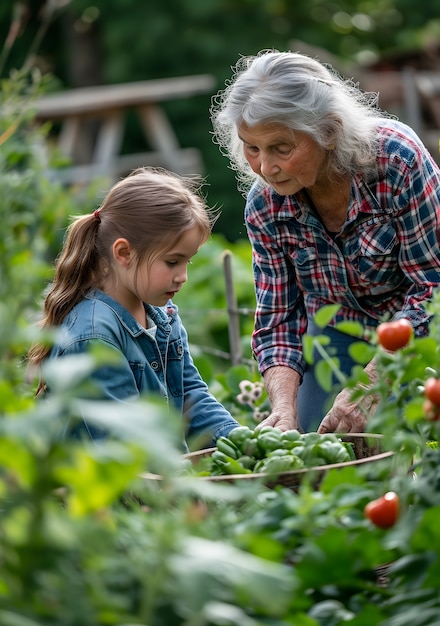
308	347
8	618
219	570
324	375
205	366
350	328
361	352
235	375
331	612
426	348
95	483
326	314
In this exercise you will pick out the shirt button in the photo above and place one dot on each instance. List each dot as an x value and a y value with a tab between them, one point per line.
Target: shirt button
154	365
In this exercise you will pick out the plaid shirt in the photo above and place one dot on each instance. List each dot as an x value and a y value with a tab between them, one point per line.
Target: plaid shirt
383	264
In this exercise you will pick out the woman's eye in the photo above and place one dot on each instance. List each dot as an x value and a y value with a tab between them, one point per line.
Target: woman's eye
252	150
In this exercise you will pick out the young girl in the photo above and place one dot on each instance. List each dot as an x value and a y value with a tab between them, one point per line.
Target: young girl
117	273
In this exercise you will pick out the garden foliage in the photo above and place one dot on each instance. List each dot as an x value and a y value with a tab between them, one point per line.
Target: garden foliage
120	534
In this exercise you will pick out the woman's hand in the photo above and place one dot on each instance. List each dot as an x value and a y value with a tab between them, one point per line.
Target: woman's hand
282	388
279	420
346	416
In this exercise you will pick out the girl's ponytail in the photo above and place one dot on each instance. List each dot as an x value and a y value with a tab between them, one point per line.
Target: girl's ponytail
76	271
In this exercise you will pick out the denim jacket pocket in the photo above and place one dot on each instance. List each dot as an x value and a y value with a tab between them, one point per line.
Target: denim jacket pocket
175	367
138	370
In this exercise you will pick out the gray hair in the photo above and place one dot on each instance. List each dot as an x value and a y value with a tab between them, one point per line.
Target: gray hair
304	95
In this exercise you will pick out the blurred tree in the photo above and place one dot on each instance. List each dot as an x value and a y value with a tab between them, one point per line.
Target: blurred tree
112	41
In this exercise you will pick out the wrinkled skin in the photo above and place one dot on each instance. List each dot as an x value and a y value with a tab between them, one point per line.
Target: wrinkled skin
346	416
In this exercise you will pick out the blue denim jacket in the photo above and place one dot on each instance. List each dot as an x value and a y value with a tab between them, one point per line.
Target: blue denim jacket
159	364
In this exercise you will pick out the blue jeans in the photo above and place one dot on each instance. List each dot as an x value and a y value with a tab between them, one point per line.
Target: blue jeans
313	401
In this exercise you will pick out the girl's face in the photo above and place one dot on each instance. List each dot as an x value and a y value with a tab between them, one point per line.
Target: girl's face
287	163
159	281
152	282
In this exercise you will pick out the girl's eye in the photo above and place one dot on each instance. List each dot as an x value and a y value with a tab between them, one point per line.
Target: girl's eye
174	263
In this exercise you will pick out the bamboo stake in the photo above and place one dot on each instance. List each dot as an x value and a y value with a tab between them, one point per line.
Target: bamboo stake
233	313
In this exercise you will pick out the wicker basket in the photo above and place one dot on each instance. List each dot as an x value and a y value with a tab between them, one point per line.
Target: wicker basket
367	449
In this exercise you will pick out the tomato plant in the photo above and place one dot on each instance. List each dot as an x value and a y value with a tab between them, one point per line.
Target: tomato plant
432	390
384	511
394	335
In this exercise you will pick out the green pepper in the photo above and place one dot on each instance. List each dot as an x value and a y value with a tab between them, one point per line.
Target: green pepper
290	439
311	438
240	435
226	446
219	458
265	429
279	452
223	464
334	452
235	467
247	461
279	463
308	455
269	440
250	448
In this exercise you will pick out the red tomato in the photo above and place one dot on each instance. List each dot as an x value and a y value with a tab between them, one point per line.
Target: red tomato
394	335
384	511
432	390
432	411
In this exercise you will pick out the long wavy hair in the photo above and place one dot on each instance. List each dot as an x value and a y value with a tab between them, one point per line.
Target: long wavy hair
151	208
304	95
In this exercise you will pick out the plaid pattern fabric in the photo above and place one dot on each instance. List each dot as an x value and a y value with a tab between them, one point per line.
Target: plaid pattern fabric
383	264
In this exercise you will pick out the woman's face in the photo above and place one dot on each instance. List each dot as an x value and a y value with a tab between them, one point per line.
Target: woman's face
287	162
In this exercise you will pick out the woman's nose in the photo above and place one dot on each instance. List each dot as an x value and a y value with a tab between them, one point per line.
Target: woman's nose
268	165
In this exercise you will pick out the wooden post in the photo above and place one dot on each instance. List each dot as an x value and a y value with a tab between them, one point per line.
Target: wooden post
233	314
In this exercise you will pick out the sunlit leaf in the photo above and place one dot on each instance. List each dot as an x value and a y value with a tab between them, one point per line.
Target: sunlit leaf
219	571
17	459
98	476
350	328
308	348
324	374
326	314
361	352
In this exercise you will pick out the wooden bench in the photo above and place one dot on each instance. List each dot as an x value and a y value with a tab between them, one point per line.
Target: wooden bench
92	120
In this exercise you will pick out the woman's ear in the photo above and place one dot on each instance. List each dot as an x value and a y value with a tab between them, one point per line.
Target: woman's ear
122	252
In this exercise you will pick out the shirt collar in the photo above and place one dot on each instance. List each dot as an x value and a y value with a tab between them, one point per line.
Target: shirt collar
162	316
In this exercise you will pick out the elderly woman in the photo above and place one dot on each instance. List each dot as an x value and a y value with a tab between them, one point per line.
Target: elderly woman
342	207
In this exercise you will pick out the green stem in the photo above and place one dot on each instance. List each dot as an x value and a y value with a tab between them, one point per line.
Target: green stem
324	354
